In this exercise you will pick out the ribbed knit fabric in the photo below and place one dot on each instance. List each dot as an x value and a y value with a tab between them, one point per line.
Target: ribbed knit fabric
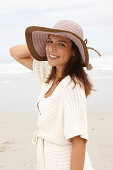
62	117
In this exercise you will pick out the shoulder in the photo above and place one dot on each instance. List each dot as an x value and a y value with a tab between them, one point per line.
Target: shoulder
72	90
41	70
41	63
69	84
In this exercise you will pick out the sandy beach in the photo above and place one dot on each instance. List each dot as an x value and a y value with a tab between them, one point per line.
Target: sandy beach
18	116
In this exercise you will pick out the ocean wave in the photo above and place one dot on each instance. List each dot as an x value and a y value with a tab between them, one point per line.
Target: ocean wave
103	63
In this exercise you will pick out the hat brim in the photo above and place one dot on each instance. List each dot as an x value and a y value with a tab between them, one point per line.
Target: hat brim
36	38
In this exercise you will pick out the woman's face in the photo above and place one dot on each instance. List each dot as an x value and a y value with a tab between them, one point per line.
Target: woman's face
59	47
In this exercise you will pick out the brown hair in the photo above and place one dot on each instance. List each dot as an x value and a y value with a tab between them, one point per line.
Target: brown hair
74	68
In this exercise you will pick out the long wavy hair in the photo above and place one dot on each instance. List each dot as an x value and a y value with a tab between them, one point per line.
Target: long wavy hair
74	68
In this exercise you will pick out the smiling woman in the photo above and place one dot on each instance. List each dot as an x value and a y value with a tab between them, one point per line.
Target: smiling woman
64	57
60	48
59	55
62	132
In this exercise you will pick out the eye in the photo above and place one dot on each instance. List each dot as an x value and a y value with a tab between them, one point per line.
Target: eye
61	44
49	41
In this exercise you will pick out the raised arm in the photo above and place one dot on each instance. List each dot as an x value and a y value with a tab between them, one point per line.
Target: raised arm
22	55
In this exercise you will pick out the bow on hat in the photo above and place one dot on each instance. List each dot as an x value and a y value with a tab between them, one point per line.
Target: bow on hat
89	66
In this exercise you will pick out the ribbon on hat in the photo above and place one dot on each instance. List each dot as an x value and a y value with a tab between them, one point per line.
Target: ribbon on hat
94	50
89	67
91	47
85	41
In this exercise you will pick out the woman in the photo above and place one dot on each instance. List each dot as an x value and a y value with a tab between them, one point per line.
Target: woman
57	56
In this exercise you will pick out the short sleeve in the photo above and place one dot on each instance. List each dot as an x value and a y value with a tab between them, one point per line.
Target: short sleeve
75	113
41	69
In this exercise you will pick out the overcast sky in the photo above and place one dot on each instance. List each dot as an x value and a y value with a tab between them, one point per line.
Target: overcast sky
94	16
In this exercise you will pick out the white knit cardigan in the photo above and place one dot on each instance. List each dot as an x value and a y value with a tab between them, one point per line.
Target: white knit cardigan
66	114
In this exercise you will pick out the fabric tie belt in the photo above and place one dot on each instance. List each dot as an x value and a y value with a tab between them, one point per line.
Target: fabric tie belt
39	142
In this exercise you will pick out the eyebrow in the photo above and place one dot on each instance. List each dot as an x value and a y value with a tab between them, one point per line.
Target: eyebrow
58	40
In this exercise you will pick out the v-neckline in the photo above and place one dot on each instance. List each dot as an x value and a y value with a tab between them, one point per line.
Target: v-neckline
47	87
51	84
45	91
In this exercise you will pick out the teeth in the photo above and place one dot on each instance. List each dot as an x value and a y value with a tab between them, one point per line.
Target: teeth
53	56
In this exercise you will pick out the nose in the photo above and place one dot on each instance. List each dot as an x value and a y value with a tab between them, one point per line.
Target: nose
53	47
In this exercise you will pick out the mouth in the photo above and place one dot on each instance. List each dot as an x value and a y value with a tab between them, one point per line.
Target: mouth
53	57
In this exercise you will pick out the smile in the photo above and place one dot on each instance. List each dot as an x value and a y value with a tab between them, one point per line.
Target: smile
52	57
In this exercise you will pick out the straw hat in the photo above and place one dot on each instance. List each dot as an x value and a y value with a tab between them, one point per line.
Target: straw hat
36	38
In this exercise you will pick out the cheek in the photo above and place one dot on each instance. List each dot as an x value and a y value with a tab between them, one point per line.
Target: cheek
67	53
63	51
68	56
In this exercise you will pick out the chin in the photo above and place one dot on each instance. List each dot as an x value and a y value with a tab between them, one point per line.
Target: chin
53	65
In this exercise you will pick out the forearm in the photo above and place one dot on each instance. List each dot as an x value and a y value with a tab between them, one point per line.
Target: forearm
20	51
78	156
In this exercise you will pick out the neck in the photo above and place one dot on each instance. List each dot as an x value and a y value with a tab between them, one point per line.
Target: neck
58	73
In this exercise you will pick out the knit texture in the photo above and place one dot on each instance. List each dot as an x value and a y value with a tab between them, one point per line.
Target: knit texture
63	117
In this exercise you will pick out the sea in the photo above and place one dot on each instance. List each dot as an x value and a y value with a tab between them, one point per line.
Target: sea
102	68
19	89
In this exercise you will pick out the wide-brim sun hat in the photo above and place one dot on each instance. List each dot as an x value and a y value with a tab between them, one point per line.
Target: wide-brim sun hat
36	39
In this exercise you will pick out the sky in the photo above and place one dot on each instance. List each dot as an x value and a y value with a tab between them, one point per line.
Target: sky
95	17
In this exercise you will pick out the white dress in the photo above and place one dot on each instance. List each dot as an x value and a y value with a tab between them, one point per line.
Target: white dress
57	157
61	116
